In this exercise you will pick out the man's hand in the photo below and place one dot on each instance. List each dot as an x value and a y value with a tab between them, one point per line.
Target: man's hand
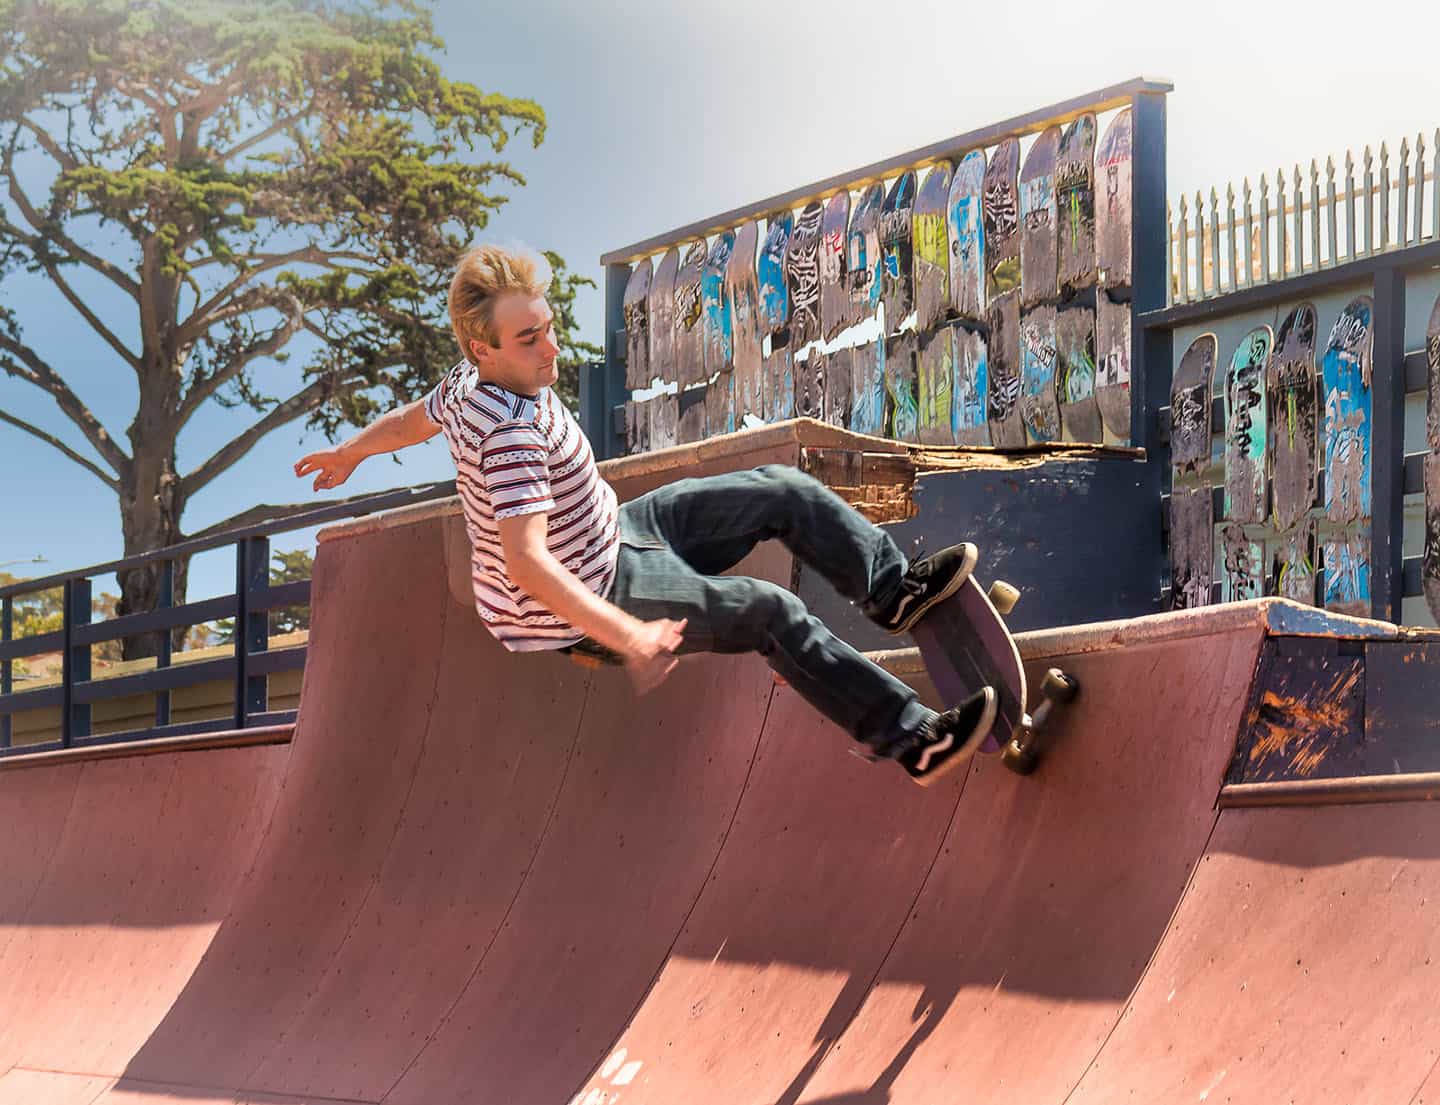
333	465
650	652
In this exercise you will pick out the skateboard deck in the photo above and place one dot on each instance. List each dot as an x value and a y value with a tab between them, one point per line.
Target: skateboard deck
770	275
863	253
810	385
1039	408
744	294
1291	417
1245	434
1293	563
1347	574
1345	379
932	249
936	385
802	276
1112	363
719	325
720	405
901	385
664	421
1075	375
972	388
1007	429
692	421
637	427
1243	561
636	307
966	233
1038	240
1192	547
897	252
839	389
867	388
662	317
689	309
1430	558
1000	208
835	312
1075	205
1190	394
779	384
1113	203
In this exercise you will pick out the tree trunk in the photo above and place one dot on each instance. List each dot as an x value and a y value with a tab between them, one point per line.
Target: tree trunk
150	509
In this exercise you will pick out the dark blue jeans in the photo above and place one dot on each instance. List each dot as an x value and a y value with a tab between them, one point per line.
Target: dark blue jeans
676	540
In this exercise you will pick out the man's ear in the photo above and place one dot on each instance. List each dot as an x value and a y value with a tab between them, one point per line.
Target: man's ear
478	352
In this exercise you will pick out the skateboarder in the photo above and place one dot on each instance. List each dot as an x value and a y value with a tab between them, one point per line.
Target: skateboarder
556	565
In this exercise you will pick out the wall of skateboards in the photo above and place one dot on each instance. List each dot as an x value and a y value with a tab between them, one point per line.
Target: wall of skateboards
983	300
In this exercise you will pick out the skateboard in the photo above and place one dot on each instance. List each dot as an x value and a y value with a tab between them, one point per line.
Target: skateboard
692	426
744	295
897	251
935	387
664	421
966	645
1000	211
1430	558
1007	430
932	249
1075	375
862	253
1293	563
1291	417
1075	205
1192	547
966	233
719	326
839	388
1192	512
802	276
689	330
1347	574
810	385
1113	203
1245	435
1345	378
779	384
720	405
637	427
1243	561
900	387
1112	364
1038	241
636	307
770	275
867	388
662	317
835	311
1190	407
972	388
1039	409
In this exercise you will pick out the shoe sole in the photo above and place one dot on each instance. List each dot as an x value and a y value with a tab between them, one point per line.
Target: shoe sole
972	557
968	749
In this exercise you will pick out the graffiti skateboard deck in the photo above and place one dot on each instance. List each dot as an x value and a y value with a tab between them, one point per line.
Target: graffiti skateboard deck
779	384
1114	208
935	386
689	310
863	253
1292	417
637	427
1245	434
897	251
1075	205
720	405
1190	393
692	426
1039	408
966	234
1000	206
664	421
1192	547
867	388
802	276
932	249
1347	574
662	317
1112	364
1293	563
636	307
901	386
1243	563
839	389
835	312
965	645
1038	240
1075	375
770	275
1345	381
972	388
1007	429
744	294
810	385
1430	558
719	325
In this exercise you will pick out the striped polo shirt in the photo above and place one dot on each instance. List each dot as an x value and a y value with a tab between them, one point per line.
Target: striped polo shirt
518	454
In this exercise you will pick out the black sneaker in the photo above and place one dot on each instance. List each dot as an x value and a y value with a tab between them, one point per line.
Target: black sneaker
950	741
930	579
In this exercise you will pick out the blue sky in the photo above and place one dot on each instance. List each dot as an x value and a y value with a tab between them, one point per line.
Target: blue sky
663	113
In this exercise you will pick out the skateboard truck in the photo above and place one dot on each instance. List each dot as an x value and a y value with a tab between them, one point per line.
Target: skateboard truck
1022	754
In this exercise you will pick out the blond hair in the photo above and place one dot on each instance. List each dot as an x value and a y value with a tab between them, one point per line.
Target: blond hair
484	274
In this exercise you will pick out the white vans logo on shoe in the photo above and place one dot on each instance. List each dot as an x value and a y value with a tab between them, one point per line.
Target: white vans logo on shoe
923	765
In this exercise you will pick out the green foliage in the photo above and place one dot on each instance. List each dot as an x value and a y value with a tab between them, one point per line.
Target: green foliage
288	567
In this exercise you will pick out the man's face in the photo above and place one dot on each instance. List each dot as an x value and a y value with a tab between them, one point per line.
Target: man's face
524	359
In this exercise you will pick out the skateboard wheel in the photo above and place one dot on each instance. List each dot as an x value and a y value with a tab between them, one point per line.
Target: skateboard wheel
1022	761
1059	687
1004	596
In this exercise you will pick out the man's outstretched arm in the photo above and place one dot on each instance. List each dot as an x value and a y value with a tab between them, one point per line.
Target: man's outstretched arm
397	429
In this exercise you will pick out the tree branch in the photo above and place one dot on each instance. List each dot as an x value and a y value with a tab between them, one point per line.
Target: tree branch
303	401
49	439
88	315
203	317
47	379
269	132
50	146
276	340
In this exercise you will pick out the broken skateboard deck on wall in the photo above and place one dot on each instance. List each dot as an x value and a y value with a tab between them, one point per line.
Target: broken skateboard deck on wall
900	387
1292	418
1293	563
743	293
662	317
1192	547
966	234
1039	407
897	252
863	253
936	379
689	310
867	388
1112	365
1114	205
1190	394
932	249
839	389
1038	240
719	335
636	308
1243	564
1430	558
802	276
972	388
1245	433
1075	375
779	384
1007	429
1001	211
1075	206
810	385
1346	368
1192	512
835	310
770	275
